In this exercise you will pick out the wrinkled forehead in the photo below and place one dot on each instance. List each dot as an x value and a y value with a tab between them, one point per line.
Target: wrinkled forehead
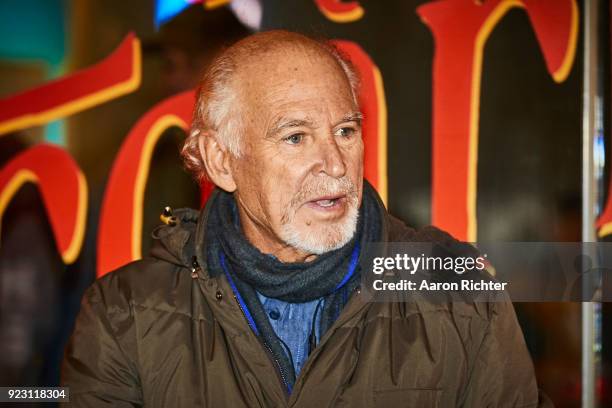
290	74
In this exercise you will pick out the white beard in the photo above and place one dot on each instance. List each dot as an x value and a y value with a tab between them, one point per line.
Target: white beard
327	237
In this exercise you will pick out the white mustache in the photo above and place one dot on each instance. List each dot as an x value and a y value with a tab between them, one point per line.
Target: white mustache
331	187
321	188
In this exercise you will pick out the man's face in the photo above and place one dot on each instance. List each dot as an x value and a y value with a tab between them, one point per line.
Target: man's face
299	176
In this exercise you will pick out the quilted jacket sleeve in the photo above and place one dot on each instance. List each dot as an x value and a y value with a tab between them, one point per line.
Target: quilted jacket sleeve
96	367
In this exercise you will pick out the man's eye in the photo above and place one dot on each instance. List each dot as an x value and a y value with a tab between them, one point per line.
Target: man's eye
294	138
346	132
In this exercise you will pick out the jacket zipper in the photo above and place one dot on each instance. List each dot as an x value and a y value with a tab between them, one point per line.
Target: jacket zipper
327	335
352	299
279	370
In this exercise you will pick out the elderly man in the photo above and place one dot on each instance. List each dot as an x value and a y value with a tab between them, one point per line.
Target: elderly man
255	301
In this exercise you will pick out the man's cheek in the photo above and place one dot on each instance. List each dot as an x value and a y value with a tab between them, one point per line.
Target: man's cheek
282	206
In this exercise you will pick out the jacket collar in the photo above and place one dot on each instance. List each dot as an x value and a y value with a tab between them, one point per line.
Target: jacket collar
183	240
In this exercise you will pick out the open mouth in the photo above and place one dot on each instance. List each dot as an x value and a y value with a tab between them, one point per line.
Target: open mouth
328	202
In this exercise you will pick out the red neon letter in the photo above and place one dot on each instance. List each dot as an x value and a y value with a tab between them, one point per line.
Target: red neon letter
63	190
374	108
339	12
460	29
120	234
117	75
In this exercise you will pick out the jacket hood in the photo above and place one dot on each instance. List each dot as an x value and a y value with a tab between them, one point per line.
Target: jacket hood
181	240
174	241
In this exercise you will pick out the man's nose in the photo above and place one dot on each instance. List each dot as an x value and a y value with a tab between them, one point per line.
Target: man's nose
331	158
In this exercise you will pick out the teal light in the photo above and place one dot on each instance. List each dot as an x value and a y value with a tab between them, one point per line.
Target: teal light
54	132
34	31
165	10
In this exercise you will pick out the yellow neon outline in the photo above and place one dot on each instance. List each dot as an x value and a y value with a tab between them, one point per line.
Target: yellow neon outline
19	179
212	4
382	135
142	174
561	74
481	38
85	102
605	229
27	176
74	249
345	17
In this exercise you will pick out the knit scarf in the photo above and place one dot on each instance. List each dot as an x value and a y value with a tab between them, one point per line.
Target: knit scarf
332	276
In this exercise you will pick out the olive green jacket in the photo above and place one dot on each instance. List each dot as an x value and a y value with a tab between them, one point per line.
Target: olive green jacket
159	333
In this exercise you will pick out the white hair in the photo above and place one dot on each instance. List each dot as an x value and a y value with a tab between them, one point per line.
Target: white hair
217	106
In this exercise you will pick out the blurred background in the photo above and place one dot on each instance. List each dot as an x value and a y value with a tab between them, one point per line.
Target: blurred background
530	126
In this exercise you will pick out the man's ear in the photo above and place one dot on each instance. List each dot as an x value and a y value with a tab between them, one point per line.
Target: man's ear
216	160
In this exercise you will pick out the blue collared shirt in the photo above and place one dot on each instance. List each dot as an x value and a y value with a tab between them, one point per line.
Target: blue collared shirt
292	323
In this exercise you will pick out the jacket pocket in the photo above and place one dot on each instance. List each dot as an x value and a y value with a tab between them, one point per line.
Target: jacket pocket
408	397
